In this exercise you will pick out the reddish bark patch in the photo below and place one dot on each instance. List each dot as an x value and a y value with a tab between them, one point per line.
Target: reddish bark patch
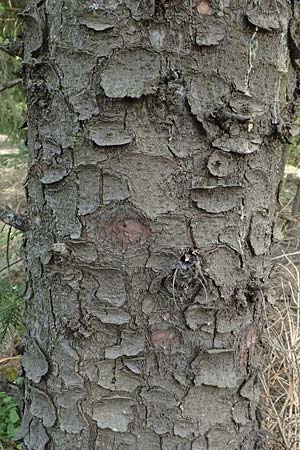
165	339
128	232
251	337
204	8
120	228
249	341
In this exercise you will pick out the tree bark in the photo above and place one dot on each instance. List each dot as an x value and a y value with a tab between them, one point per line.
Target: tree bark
156	131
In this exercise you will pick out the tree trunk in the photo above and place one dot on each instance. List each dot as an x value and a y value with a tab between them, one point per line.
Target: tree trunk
156	130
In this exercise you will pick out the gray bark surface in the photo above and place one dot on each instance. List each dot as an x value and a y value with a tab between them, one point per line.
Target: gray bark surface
156	131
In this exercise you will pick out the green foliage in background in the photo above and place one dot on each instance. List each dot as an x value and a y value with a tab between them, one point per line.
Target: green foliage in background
11	309
12	104
9	420
12	117
294	149
13	160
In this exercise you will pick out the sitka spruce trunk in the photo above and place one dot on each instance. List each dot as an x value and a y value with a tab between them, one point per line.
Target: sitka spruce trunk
156	131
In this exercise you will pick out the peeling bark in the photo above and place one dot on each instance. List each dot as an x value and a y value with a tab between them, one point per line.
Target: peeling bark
156	130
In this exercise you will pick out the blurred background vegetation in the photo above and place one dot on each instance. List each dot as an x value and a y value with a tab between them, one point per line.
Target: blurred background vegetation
281	378
12	105
13	169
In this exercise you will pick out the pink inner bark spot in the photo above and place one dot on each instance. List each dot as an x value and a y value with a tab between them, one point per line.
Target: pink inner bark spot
251	337
128	232
204	8
247	344
163	338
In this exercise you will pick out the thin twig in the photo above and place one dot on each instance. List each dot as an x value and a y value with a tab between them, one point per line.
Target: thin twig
11	264
13	219
285	255
281	376
13	48
10	84
10	358
174	288
7	248
10	389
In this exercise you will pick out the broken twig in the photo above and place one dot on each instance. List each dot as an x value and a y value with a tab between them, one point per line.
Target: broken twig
13	220
10	84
